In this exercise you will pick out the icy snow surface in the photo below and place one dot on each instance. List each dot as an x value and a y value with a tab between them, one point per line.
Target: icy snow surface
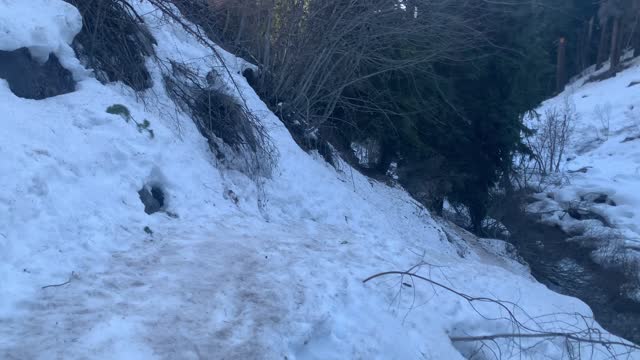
221	280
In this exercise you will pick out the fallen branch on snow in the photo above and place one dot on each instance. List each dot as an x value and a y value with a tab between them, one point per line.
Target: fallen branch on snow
584	335
568	336
73	274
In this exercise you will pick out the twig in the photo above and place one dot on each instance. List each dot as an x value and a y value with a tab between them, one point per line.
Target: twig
588	335
133	10
63	284
568	336
166	10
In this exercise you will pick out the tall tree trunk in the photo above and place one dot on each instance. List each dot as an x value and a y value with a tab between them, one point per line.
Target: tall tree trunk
561	65
580	46
241	26
581	38
615	46
266	54
636	36
602	44
586	54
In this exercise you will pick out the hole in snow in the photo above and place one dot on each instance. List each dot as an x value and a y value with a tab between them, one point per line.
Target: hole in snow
153	198
251	77
31	79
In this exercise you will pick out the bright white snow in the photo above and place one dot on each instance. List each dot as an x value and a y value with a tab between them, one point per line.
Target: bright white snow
221	280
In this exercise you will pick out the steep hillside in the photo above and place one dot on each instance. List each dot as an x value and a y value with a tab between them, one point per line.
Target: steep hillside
232	266
595	195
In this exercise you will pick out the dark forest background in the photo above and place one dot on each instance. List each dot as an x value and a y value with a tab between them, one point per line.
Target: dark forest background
438	88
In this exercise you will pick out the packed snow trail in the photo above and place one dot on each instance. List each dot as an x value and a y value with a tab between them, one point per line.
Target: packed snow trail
217	292
236	290
220	295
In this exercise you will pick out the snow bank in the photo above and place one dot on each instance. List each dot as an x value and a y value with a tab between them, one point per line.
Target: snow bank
209	278
49	28
602	165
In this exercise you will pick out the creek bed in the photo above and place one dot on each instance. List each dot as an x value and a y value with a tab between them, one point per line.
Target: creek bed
567	268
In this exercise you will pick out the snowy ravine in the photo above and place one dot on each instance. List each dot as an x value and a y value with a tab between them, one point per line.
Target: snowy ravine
596	196
220	280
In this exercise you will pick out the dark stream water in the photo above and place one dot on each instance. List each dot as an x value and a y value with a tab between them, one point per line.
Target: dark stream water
567	268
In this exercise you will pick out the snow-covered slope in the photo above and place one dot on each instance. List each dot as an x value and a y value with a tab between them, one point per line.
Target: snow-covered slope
216	279
601	169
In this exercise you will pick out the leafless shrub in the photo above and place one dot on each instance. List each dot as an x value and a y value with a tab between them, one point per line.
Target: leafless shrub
603	114
234	133
552	137
114	42
529	175
552	132
310	52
